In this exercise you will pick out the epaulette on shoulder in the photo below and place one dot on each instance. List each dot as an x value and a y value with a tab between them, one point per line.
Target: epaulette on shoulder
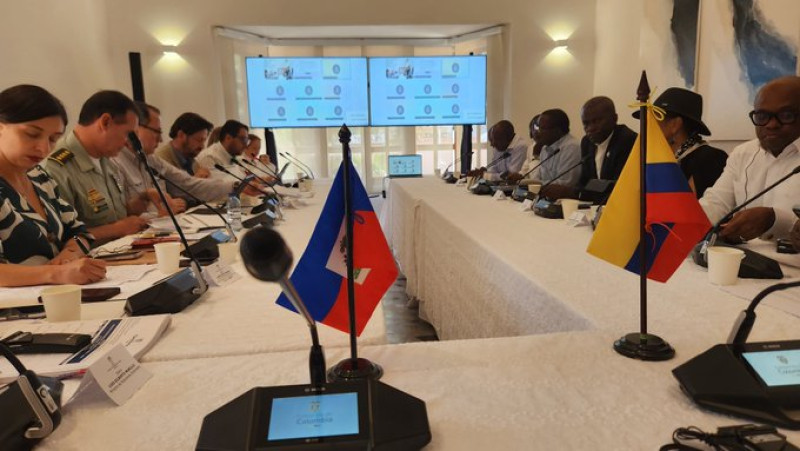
61	156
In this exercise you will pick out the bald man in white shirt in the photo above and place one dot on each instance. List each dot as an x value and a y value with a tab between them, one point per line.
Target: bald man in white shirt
757	164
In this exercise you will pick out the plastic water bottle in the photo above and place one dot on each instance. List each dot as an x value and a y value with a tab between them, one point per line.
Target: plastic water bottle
234	208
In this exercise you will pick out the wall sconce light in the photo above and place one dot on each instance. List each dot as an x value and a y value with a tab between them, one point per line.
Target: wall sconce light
560	44
170	50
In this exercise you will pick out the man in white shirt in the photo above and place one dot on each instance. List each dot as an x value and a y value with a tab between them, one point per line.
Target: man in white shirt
554	134
231	144
756	164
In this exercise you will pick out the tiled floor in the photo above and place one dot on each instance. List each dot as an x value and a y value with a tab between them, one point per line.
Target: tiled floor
402	322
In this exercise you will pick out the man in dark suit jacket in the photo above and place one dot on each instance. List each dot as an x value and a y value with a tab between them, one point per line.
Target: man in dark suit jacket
606	144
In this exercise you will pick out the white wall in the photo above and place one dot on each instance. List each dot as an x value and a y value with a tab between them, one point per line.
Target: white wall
82	45
61	46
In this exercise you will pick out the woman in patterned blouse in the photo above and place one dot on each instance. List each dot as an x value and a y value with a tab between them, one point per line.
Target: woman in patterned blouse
38	230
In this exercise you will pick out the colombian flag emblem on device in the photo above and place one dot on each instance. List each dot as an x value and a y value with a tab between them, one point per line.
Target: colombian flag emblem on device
321	274
675	221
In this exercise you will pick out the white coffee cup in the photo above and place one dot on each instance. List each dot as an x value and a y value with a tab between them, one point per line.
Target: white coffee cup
62	303
456	173
569	206
534	188
437	172
723	264
168	256
306	185
228	252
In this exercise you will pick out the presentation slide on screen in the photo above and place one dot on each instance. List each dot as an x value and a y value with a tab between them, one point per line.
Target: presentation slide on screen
313	416
776	368
447	90
307	92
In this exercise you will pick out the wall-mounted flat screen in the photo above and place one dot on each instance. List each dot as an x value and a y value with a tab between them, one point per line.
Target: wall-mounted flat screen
307	92
441	90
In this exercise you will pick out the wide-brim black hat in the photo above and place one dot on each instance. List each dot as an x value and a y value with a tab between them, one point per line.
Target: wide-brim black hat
684	103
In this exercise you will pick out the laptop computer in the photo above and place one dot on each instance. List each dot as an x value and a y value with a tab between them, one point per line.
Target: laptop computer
405	166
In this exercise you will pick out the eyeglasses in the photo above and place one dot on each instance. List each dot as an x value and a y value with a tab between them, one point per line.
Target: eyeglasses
761	118
158	131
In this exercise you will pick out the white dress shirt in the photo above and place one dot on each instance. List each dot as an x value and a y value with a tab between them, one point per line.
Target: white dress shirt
518	148
568	156
749	170
600	154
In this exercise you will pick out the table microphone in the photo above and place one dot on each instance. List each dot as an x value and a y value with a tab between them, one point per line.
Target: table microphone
744	323
237	163
222	168
711	237
555	152
201	285
201	202
288	155
583	160
266	257
264	171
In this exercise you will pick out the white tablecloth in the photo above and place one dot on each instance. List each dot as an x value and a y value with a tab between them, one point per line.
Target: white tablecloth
482	268
567	391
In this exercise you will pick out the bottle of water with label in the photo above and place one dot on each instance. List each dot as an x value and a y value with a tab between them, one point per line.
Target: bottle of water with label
234	208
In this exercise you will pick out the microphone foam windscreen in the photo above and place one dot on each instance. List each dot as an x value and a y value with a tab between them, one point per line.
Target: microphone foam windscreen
265	254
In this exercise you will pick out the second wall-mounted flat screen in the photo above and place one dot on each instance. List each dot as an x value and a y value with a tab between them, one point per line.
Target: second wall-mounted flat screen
440	90
307	92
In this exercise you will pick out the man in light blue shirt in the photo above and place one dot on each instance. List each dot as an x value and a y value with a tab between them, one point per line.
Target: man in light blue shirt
554	134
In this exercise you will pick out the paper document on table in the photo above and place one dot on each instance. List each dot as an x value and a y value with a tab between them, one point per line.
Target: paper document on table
165	225
126	277
137	335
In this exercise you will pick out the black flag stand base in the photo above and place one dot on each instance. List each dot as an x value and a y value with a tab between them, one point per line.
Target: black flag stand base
346	370
644	347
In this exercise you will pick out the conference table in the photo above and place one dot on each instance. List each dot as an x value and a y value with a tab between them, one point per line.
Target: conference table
526	318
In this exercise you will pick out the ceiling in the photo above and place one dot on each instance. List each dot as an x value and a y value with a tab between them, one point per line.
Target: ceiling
364	31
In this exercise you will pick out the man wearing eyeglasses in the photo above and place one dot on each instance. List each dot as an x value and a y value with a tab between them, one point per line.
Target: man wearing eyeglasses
232	142
756	164
140	194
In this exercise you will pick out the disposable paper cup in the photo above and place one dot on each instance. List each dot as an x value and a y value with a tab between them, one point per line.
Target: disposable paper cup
306	185
457	174
723	265
437	172
62	303
168	257
228	252
534	188
569	206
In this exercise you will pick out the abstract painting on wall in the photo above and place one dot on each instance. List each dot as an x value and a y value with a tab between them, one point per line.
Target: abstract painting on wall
743	44
669	36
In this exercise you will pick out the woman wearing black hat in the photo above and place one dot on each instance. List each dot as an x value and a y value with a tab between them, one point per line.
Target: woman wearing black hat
682	126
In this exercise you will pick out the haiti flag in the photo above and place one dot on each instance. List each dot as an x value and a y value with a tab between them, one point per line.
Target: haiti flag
321	274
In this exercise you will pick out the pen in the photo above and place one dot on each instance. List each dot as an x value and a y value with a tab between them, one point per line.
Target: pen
81	245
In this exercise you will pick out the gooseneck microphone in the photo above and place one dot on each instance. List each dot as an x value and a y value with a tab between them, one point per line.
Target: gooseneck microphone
499	158
744	323
278	197
265	170
201	202
201	286
566	171
267	258
713	232
522	177
297	160
237	163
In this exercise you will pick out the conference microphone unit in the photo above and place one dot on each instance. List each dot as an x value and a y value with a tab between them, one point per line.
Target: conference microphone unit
448	176
205	249
273	200
750	380
178	291
287	154
544	207
358	415
481	187
754	265
293	163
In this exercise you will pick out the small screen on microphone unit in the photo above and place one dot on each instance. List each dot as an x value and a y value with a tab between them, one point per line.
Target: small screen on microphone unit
405	166
313	416
776	368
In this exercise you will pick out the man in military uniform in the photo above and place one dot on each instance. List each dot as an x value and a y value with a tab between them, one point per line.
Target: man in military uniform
86	179
139	191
